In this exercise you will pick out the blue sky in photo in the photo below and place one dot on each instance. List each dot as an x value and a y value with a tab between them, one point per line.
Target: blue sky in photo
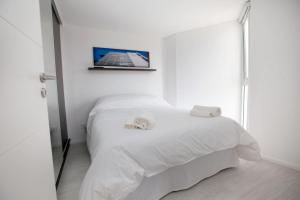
101	52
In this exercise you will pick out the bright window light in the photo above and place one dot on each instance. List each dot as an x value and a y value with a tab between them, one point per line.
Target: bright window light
245	74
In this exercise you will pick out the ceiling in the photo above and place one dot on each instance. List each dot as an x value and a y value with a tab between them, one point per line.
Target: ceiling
162	17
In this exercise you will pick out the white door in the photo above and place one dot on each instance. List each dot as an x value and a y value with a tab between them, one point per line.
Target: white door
26	170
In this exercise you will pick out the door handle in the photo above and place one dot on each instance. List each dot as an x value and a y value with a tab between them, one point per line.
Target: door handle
45	77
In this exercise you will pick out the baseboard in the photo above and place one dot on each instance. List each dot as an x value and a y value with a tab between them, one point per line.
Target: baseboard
281	162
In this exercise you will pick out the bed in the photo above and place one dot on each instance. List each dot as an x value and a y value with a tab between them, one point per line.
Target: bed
181	150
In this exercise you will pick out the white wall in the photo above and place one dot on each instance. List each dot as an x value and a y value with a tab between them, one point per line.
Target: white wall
83	87
207	68
169	69
274	87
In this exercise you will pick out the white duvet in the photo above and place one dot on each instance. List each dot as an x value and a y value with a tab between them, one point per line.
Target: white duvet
121	157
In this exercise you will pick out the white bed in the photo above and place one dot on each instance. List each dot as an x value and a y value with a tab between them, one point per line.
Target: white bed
181	150
184	176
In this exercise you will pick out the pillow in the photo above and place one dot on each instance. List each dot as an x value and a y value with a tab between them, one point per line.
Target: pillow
129	101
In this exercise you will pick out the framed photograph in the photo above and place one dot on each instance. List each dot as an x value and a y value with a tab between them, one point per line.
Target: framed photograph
120	58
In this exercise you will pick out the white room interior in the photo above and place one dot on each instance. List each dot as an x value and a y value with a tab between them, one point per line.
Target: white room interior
198	51
190	59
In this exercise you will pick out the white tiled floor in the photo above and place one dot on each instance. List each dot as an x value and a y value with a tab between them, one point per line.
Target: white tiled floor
251	181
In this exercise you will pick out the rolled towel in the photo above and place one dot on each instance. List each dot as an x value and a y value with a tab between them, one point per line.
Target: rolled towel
130	124
205	111
145	121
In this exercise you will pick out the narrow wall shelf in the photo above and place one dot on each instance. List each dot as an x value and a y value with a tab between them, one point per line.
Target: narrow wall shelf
122	68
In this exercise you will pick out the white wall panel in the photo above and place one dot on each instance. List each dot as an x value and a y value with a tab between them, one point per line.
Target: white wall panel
274	83
26	168
17	50
23	15
32	181
169	69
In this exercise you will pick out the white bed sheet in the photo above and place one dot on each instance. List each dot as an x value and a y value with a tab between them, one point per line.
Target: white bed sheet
184	176
122	158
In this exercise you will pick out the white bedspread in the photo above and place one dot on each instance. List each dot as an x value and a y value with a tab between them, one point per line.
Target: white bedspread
122	157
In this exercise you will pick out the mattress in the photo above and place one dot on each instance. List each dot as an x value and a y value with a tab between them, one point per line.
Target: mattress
184	176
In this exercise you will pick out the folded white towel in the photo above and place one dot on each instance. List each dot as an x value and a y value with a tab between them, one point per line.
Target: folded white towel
130	124
205	111
145	121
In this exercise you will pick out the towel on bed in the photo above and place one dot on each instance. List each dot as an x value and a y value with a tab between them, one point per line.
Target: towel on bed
144	121
205	111
130	124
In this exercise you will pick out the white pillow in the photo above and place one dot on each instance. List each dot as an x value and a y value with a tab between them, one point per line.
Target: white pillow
129	101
